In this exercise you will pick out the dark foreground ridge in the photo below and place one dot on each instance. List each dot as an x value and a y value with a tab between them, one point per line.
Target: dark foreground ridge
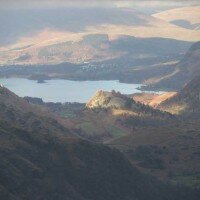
39	164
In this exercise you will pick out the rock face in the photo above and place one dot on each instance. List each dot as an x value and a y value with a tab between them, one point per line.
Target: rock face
103	99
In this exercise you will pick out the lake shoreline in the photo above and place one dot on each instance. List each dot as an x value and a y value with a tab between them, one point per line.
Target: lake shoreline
62	90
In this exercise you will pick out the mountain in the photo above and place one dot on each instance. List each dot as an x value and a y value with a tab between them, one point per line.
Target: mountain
186	17
35	166
169	152
107	115
16	111
58	35
56	21
186	101
65	22
179	74
49	162
103	99
97	47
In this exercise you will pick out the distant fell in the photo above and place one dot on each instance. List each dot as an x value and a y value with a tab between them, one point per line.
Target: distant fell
186	102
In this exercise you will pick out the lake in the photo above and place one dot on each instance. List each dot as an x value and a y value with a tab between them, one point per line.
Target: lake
64	90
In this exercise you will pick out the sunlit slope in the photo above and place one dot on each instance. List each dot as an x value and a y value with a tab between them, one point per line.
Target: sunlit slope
33	33
110	115
152	99
40	159
186	102
188	17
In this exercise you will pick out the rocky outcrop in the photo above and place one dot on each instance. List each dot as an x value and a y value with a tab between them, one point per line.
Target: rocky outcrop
103	99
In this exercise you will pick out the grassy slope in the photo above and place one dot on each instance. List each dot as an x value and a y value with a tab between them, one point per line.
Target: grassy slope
186	101
152	99
58	43
109	115
169	152
180	73
190	14
48	162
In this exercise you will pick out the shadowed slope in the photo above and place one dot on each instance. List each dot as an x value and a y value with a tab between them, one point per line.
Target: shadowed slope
41	163
180	73
186	102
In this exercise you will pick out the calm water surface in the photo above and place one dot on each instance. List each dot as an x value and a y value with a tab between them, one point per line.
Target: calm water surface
65	90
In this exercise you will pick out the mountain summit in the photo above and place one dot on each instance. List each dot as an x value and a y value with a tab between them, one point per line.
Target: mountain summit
103	99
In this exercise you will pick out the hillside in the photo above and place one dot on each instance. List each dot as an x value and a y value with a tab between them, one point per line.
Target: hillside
157	143
93	47
16	111
50	163
187	17
50	167
186	102
107	115
152	99
179	74
183	103
116	100
170	152
56	40
103	99
28	116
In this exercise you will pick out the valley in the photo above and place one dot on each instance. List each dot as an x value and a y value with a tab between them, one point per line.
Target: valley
61	90
43	147
156	73
99	100
159	143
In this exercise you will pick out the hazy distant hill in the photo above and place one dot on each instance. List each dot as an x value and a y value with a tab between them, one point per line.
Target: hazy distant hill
80	20
54	36
180	73
95	48
186	17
